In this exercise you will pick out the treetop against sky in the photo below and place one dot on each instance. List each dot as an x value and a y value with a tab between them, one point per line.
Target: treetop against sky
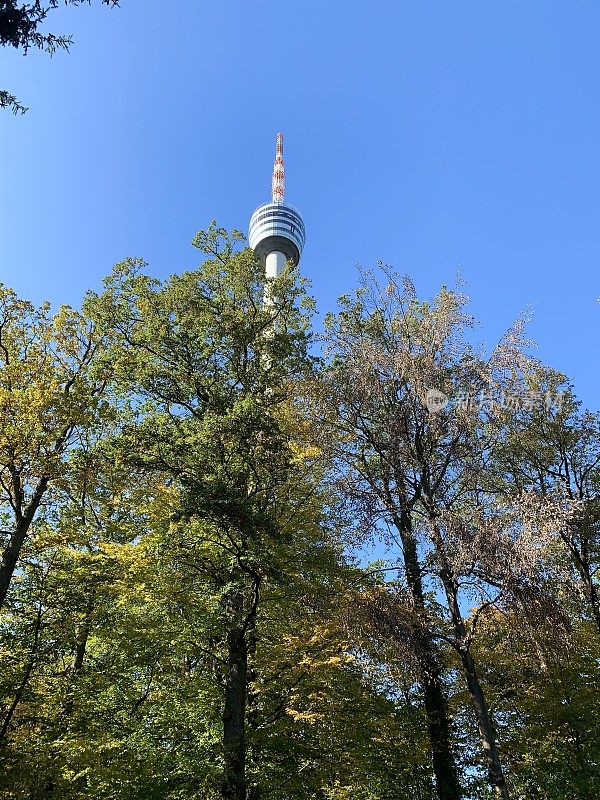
434	138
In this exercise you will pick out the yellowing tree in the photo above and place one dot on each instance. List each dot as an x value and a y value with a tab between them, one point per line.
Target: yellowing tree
49	395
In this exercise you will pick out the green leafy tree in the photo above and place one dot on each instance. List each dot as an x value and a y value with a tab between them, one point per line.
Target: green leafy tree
542	688
177	623
49	397
207	370
183	619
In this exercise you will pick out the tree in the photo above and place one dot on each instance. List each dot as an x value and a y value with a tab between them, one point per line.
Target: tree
49	396
207	371
362	428
126	691
19	28
412	465
541	683
184	618
177	626
555	451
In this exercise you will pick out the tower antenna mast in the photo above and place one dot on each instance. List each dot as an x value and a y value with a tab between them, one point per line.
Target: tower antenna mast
278	183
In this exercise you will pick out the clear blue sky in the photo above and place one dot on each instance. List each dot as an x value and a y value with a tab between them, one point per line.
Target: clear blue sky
430	135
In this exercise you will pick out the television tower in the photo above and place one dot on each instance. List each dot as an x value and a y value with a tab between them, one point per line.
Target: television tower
276	229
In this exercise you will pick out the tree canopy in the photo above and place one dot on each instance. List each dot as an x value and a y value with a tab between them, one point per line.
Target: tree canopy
190	478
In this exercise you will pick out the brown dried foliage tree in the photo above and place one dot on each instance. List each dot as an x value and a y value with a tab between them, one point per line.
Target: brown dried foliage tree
411	462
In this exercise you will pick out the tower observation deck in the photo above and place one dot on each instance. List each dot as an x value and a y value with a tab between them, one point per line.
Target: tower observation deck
276	229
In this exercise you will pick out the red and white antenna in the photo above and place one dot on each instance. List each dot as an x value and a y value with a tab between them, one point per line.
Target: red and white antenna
278	172
276	233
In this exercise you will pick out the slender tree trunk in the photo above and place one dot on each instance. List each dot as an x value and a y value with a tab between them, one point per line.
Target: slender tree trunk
79	655
253	790
234	710
487	734
26	676
436	706
83	635
590	588
438	728
24	515
10	556
485	727
594	601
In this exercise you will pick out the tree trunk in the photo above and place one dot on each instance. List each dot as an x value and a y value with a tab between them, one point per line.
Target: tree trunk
234	710
485	727
594	601
23	518
83	635
10	557
79	654
438	728
589	587
436	706
253	789
26	676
